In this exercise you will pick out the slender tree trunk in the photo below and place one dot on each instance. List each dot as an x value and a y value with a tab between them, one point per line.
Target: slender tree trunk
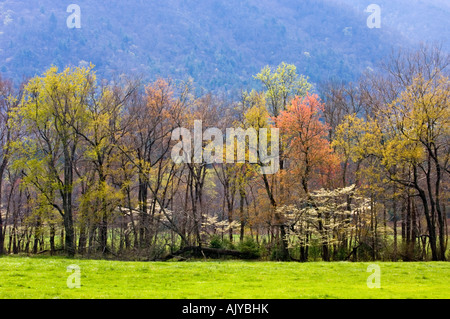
413	227
2	171
52	238
408	228
394	208
2	235
278	220
15	241
430	226
230	220
103	230
67	204
373	228
441	215
242	217
82	240
143	196
36	236
61	239
403	223
91	238
325	252
69	232
133	224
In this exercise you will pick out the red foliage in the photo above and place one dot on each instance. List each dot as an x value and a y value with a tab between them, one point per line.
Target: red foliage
305	135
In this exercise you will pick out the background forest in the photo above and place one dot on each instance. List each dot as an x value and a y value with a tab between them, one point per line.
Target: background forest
87	167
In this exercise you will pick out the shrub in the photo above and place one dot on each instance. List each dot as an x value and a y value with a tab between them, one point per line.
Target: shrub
216	242
276	252
249	248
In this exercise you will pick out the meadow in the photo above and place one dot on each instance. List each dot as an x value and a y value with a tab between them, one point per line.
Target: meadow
46	278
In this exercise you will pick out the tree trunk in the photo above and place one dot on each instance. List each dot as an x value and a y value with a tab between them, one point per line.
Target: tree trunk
69	233
82	240
430	226
325	252
278	220
403	223
67	203
52	239
2	171
408	229
36	237
103	230
441	215
143	196
395	228
242	217
2	235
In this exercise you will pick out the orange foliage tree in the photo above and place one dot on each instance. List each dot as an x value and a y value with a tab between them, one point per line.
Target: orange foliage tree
311	159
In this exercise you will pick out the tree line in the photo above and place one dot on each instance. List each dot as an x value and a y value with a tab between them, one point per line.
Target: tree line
86	168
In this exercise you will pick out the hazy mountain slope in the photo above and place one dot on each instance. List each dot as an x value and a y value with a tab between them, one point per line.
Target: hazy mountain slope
417	20
221	44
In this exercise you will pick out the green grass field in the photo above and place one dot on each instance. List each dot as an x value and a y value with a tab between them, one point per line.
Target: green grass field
32	278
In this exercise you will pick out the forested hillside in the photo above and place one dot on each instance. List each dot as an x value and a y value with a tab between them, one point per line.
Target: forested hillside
417	20
341	130
220	44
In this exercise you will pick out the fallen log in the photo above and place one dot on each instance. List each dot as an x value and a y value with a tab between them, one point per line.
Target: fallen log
353	252
49	251
197	251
